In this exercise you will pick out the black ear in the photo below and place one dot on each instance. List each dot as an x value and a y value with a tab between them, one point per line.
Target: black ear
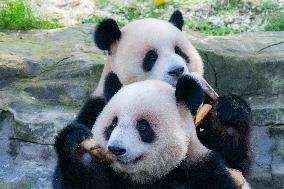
106	33
111	86
189	92
177	19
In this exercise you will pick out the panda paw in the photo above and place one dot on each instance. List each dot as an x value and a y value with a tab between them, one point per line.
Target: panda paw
69	139
233	113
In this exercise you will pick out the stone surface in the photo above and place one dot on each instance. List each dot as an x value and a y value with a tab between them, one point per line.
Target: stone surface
69	12
46	75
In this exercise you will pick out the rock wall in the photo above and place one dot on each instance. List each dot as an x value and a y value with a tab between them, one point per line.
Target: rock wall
46	75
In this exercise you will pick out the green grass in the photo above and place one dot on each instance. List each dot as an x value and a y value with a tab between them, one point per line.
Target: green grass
92	19
209	28
15	15
268	5
138	9
275	22
227	7
145	9
101	3
273	16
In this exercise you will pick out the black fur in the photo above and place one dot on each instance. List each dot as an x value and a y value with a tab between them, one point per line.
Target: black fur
107	33
149	60
189	92
72	172
227	130
68	140
110	128
111	86
210	172
145	131
90	111
177	19
179	52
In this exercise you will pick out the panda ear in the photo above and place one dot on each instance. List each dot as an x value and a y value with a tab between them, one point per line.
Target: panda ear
189	92
111	85
177	19
106	33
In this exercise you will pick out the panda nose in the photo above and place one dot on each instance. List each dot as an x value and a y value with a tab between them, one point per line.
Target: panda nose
176	71
118	151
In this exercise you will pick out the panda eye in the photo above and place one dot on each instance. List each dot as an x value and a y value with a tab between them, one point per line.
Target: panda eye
110	128
149	60
145	131
179	52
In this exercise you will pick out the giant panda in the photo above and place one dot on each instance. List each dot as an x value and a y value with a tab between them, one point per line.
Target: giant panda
149	127
156	49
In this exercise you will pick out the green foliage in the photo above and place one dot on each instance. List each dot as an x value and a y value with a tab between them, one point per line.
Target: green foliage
275	22
92	19
101	3
209	28
268	5
15	15
226	7
273	16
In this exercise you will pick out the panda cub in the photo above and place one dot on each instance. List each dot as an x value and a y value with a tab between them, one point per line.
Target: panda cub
149	128
156	49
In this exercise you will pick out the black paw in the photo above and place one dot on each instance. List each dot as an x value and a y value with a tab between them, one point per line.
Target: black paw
189	92
233	112
69	139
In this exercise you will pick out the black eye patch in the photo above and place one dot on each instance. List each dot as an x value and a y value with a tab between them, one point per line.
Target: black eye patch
145	131
179	52
110	128
149	60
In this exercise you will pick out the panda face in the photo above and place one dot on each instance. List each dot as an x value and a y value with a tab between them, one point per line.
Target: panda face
153	49
145	128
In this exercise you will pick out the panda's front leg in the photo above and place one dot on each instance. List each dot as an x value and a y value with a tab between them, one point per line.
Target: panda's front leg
227	131
76	168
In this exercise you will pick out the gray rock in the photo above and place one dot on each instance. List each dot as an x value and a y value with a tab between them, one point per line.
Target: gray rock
23	164
251	65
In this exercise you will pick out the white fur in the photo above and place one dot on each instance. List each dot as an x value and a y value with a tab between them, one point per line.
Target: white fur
154	101
140	36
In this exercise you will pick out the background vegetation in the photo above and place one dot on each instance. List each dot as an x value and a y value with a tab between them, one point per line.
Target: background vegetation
16	15
217	17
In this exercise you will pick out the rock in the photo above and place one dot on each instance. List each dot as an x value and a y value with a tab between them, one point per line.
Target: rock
23	164
251	65
46	75
277	171
38	124
70	12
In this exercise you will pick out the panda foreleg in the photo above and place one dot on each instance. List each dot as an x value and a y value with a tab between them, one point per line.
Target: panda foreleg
90	111
227	131
75	169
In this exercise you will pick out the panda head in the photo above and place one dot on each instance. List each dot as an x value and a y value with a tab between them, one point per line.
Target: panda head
148	126
148	49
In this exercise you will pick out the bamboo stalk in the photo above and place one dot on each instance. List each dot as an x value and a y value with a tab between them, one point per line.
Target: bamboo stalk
206	108
97	151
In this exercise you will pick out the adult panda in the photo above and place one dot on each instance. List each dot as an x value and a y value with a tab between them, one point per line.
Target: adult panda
148	126
156	49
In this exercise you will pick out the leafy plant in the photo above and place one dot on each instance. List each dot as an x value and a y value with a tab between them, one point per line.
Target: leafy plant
209	28
275	22
15	15
92	19
268	5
